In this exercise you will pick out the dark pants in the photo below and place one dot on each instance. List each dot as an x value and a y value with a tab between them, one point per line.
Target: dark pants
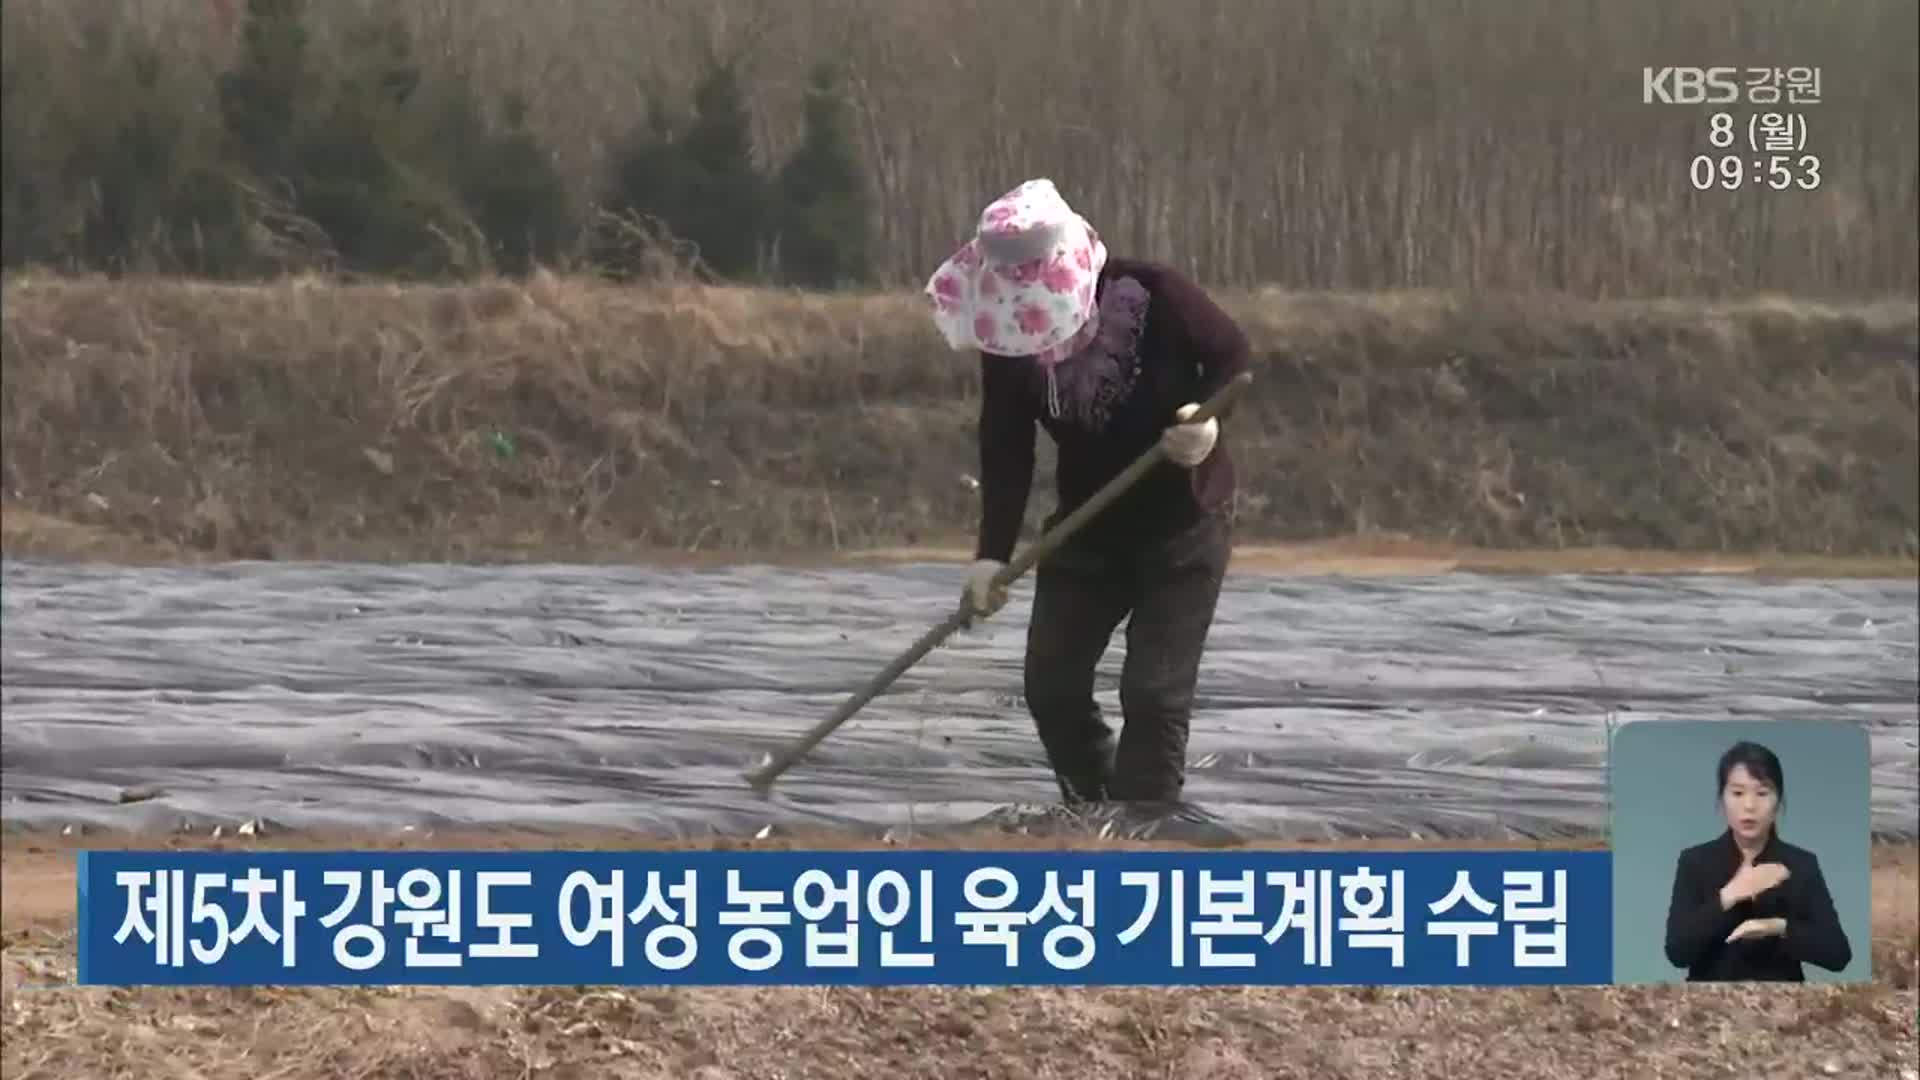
1169	587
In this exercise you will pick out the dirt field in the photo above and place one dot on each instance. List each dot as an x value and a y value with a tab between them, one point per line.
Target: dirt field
26	533
709	1034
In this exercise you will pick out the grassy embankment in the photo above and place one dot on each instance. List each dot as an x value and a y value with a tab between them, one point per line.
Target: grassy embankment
167	419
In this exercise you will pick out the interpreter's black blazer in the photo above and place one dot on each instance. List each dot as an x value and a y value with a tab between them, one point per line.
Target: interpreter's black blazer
1697	928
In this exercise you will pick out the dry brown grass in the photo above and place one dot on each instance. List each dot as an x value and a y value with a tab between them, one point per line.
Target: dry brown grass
1202	1034
309	418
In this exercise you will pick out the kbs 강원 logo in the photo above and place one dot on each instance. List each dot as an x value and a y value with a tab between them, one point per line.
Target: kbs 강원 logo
1689	85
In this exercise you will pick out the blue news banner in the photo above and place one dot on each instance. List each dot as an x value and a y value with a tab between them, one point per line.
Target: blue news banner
844	917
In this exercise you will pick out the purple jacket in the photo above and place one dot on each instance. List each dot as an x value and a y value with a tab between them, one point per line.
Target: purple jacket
1162	343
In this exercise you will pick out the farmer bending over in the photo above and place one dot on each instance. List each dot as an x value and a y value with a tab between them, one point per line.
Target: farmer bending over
1109	356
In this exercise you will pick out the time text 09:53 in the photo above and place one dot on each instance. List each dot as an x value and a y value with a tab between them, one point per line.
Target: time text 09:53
1735	171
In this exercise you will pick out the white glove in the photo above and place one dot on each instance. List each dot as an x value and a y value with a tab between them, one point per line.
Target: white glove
1189	444
980	598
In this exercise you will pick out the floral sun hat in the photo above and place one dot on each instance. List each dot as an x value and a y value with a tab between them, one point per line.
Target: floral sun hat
1024	285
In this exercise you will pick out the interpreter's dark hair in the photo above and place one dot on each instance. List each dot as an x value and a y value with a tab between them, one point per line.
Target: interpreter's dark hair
1762	763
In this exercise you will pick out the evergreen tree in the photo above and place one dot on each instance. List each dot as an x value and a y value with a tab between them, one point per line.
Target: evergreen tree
727	216
346	149
108	173
649	176
699	179
261	98
825	233
357	185
516	195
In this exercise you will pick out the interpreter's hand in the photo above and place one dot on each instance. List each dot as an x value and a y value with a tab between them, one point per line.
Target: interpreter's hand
1754	929
981	598
1751	881
1188	444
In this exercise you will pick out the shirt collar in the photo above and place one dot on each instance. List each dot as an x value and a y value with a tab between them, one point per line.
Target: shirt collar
1769	852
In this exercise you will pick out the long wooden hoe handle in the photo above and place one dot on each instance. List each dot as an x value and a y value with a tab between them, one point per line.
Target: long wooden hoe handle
762	778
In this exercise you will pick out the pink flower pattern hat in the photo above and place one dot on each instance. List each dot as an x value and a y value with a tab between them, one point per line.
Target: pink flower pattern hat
1024	285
